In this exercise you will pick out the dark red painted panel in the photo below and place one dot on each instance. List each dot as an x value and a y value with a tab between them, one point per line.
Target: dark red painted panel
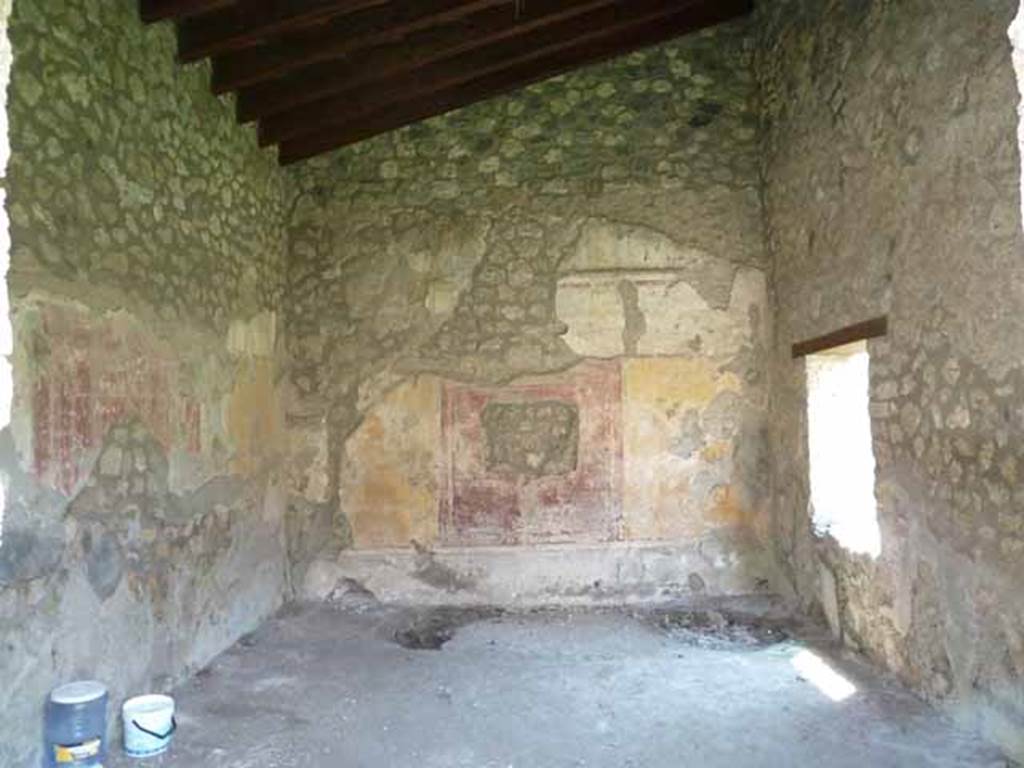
481	506
98	373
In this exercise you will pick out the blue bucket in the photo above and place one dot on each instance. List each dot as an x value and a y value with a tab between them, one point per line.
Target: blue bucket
76	725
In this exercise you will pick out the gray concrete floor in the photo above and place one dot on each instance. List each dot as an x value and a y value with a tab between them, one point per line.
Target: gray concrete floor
326	686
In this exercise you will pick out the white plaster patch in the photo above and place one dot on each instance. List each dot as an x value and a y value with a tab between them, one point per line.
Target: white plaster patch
668	306
442	297
749	291
255	336
676	319
592	308
604	245
679	321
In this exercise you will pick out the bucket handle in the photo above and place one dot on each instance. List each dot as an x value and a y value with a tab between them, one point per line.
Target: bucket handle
174	727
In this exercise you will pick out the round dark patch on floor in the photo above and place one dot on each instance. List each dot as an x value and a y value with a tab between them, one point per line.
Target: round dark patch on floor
714	629
430	630
428	638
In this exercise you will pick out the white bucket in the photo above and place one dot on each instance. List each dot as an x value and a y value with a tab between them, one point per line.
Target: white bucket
148	725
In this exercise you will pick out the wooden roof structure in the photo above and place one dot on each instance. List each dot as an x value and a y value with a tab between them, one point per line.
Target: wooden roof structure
321	74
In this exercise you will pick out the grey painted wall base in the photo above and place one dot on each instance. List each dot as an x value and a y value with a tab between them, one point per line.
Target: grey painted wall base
542	575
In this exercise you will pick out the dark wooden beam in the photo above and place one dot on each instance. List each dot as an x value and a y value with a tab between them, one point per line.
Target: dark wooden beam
337	127
448	73
251	22
546	42
869	329
160	10
342	37
417	51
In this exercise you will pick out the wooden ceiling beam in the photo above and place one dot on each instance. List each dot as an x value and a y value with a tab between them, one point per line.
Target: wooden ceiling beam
342	128
414	52
161	10
451	72
341	37
251	22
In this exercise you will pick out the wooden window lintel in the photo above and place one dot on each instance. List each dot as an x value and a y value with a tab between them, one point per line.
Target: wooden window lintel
869	329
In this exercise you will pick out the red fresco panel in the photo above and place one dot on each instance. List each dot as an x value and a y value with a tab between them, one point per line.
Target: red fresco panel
97	374
481	506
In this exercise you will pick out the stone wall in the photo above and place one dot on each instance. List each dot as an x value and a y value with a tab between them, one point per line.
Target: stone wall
592	244
143	529
891	177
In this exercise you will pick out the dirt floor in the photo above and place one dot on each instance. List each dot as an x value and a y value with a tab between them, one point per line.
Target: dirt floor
359	685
